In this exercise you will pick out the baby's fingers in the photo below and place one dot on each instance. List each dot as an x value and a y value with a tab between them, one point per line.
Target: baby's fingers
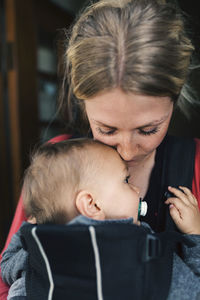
189	194
179	205
179	194
174	212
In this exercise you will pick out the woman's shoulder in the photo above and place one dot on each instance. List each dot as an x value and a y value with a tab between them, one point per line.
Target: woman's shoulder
178	146
197	142
196	178
60	138
64	137
178	141
181	144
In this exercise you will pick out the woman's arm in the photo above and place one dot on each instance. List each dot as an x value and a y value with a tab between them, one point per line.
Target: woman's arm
13	266
191	255
14	259
185	284
196	178
16	223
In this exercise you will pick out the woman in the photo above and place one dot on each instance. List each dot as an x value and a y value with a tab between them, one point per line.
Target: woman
126	64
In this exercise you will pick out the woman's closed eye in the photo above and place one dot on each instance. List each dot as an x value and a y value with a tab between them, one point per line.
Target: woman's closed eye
106	131
148	131
142	131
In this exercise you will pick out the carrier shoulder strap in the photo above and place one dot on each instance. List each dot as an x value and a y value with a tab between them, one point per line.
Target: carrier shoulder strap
179	161
177	168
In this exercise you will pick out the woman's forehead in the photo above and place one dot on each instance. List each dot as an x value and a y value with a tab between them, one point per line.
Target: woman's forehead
116	108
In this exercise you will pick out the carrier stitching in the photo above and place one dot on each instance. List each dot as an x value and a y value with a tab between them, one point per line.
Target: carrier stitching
51	288
97	262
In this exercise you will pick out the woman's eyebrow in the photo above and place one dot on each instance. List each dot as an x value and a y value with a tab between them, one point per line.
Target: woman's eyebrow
104	125
153	123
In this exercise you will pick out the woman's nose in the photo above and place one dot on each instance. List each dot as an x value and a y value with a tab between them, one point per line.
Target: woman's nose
127	149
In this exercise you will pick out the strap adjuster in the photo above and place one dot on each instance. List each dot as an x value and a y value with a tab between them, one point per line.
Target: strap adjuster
152	248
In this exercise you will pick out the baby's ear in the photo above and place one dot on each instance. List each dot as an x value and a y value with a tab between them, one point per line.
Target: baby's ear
87	206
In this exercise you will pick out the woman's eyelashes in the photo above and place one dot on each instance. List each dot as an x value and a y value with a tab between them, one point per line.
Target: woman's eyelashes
106	132
110	132
148	132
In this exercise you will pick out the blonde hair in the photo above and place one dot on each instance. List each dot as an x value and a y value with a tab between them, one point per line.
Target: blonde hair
56	174
139	46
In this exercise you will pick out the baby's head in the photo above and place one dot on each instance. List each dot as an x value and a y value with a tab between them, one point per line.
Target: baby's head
78	176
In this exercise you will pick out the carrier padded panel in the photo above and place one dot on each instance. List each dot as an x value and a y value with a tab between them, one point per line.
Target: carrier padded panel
110	262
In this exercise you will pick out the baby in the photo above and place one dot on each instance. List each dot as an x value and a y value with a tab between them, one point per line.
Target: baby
83	181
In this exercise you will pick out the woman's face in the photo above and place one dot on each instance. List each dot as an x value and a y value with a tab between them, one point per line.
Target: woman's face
134	124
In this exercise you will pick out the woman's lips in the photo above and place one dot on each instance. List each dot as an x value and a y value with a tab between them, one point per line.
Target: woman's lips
135	160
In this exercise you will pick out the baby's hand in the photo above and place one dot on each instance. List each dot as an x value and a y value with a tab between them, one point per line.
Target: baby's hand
184	210
31	220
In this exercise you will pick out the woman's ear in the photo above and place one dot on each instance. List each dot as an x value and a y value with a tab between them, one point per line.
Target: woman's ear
87	206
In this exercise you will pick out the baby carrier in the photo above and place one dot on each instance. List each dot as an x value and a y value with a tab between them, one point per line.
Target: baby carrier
103	262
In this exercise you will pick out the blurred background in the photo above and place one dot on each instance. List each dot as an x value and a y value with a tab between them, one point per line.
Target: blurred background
29	86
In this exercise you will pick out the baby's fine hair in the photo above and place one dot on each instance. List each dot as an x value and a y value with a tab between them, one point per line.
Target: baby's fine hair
56	173
139	46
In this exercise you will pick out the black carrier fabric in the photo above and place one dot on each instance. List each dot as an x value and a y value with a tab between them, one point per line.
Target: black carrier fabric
174	165
105	262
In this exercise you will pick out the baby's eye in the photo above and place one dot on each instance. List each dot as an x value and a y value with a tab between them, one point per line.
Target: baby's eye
126	180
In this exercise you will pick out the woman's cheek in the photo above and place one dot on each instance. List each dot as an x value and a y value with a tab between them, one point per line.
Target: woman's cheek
104	139
149	144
